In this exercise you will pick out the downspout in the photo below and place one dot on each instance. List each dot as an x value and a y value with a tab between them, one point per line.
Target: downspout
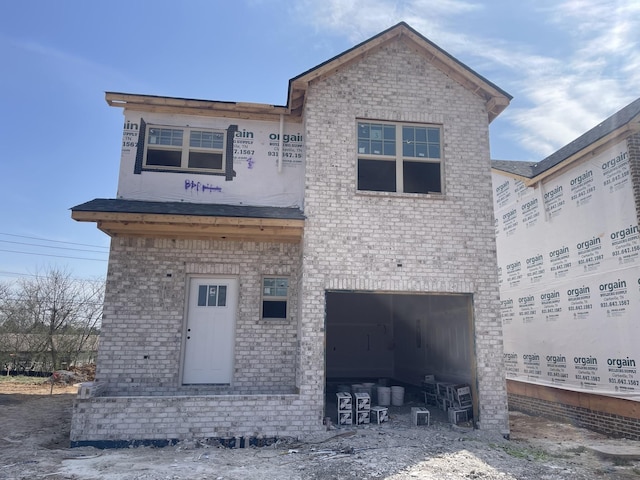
280	143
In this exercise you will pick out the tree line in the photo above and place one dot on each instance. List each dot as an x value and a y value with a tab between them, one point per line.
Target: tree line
48	322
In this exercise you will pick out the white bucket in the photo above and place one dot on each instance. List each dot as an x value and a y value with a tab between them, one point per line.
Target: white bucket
397	396
384	396
368	388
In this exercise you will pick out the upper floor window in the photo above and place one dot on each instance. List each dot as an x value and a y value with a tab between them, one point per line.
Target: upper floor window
396	157
185	149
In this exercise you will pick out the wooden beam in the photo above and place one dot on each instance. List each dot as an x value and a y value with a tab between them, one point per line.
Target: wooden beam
228	238
151	218
153	228
241	110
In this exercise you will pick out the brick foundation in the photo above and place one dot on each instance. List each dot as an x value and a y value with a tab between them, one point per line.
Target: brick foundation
615	417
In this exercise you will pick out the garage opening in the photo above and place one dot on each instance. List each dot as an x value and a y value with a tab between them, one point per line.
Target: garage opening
399	339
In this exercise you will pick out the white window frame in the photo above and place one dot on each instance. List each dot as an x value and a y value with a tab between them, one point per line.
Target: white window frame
185	149
267	297
399	157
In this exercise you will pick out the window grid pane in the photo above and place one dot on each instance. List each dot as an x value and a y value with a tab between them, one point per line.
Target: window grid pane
204	139
165	136
376	139
420	142
275	287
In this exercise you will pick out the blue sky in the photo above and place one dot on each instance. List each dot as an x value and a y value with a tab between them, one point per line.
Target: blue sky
569	64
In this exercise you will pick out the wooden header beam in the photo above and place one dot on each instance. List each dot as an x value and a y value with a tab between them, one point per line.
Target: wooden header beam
195	227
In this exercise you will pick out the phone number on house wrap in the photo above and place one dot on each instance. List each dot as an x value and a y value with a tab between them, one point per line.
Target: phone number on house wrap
285	154
614	303
623	381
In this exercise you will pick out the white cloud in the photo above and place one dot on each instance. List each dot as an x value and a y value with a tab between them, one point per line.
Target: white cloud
589	84
360	19
558	97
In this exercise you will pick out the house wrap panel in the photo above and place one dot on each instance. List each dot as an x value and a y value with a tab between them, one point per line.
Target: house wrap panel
569	260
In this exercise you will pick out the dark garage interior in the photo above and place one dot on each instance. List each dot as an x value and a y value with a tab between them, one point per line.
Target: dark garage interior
398	339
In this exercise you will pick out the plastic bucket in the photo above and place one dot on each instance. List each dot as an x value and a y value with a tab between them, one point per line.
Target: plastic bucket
384	396
368	388
397	396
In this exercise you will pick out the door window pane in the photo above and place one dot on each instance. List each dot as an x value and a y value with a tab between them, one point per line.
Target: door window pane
202	295
222	296
213	290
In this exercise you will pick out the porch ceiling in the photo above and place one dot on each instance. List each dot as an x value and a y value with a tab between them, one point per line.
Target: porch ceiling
195	227
119	218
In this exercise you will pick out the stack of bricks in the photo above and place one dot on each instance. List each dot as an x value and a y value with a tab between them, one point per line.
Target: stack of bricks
356	409
461	409
345	408
363	408
455	399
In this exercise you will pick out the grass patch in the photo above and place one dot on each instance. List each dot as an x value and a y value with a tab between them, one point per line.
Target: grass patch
523	453
22	379
621	462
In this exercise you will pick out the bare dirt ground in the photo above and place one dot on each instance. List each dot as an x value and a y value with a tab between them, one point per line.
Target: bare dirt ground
34	438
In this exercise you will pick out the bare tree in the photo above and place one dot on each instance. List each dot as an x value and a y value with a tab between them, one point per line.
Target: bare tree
50	318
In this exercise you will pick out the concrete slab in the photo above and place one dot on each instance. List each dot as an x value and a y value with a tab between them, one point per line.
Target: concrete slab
628	452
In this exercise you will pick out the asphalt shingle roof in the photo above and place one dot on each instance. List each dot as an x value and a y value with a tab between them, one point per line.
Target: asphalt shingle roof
184	208
533	169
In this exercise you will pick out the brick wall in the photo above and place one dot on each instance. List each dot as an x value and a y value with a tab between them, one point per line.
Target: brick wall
355	241
615	417
142	328
352	241
108	421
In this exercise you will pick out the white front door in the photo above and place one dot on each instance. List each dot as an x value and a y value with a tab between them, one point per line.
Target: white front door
211	313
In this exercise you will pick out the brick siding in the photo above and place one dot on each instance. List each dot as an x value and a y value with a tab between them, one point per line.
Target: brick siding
141	341
356	241
352	241
619	425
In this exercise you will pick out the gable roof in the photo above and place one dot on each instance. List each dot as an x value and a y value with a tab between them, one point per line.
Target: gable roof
496	99
618	126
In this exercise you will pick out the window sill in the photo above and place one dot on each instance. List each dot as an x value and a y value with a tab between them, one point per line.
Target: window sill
182	170
275	320
425	196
